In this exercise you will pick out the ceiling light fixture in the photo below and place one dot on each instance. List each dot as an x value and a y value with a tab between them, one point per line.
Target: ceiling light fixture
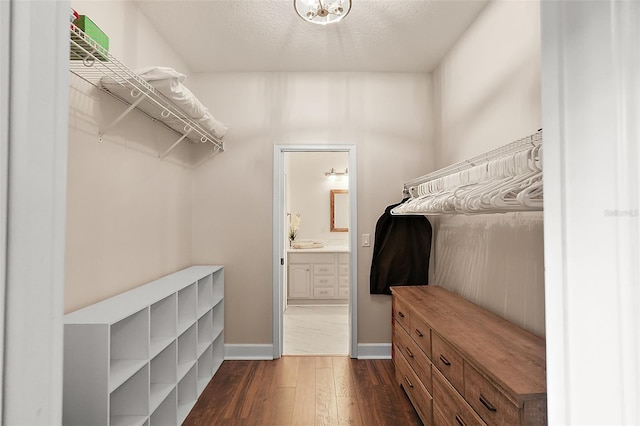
333	172
322	12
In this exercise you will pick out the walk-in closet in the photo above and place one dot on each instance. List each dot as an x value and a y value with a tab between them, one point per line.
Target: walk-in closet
438	198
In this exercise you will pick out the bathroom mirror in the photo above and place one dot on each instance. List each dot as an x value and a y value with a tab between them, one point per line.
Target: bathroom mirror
339	210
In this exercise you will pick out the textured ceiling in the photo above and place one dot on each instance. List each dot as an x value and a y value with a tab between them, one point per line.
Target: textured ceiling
267	35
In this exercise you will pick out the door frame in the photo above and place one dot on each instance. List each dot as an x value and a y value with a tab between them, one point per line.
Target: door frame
279	248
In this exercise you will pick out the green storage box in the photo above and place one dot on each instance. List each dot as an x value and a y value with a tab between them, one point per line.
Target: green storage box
100	45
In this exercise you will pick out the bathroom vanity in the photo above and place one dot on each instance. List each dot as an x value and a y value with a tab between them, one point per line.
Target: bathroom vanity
318	276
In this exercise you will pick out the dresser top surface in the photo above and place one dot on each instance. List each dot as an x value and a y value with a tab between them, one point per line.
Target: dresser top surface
507	354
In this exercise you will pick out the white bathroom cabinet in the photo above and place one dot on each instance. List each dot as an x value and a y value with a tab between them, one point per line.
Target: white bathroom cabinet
318	276
143	357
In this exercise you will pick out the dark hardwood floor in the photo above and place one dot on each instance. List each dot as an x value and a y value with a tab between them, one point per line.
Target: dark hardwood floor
304	390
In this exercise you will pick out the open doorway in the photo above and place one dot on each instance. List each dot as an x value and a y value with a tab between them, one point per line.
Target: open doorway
314	229
316	262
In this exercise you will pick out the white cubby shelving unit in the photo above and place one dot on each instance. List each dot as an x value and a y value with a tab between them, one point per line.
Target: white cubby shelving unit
143	357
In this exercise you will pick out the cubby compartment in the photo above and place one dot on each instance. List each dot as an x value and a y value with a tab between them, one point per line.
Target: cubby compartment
205	368
130	401
163	324
205	332
167	413
187	394
129	349
164	375
205	295
218	351
186	307
187	344
218	318
218	286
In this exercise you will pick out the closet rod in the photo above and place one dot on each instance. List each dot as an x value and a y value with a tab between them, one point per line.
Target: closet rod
513	147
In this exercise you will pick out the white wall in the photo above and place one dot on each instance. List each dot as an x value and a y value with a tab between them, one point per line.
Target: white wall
385	115
309	193
128	213
591	101
488	94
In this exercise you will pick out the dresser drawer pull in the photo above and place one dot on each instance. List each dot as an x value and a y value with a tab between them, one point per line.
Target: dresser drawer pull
419	333
459	420
444	360
400	314
487	404
406	379
409	352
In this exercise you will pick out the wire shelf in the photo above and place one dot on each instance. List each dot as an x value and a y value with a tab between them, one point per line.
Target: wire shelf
516	146
92	63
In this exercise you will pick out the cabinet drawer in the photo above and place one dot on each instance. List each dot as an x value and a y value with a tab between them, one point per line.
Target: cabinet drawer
324	281
492	405
453	408
343	293
343	258
414	355
418	394
324	269
401	313
343	281
320	293
343	270
448	361
421	334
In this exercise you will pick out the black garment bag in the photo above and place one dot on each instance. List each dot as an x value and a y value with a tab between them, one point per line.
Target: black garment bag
401	251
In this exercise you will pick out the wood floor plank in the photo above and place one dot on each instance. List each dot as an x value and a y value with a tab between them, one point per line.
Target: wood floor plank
326	404
343	377
287	372
349	411
304	404
234	409
324	362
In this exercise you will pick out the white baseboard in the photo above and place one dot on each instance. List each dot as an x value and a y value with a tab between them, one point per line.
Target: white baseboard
248	352
265	352
374	350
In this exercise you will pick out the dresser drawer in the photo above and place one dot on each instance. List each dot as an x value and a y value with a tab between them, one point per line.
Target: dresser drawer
421	334
343	293
324	269
448	361
414	355
488	401
401	313
453	408
324	281
321	293
418	394
343	270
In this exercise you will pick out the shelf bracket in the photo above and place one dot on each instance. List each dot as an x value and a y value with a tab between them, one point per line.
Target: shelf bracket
121	116
176	143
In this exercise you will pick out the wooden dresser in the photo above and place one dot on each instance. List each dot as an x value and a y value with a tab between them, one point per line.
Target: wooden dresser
462	365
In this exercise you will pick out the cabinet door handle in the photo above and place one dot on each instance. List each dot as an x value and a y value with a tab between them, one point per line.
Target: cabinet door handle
487	404
400	314
409	352
406	379
444	360
419	333
460	421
